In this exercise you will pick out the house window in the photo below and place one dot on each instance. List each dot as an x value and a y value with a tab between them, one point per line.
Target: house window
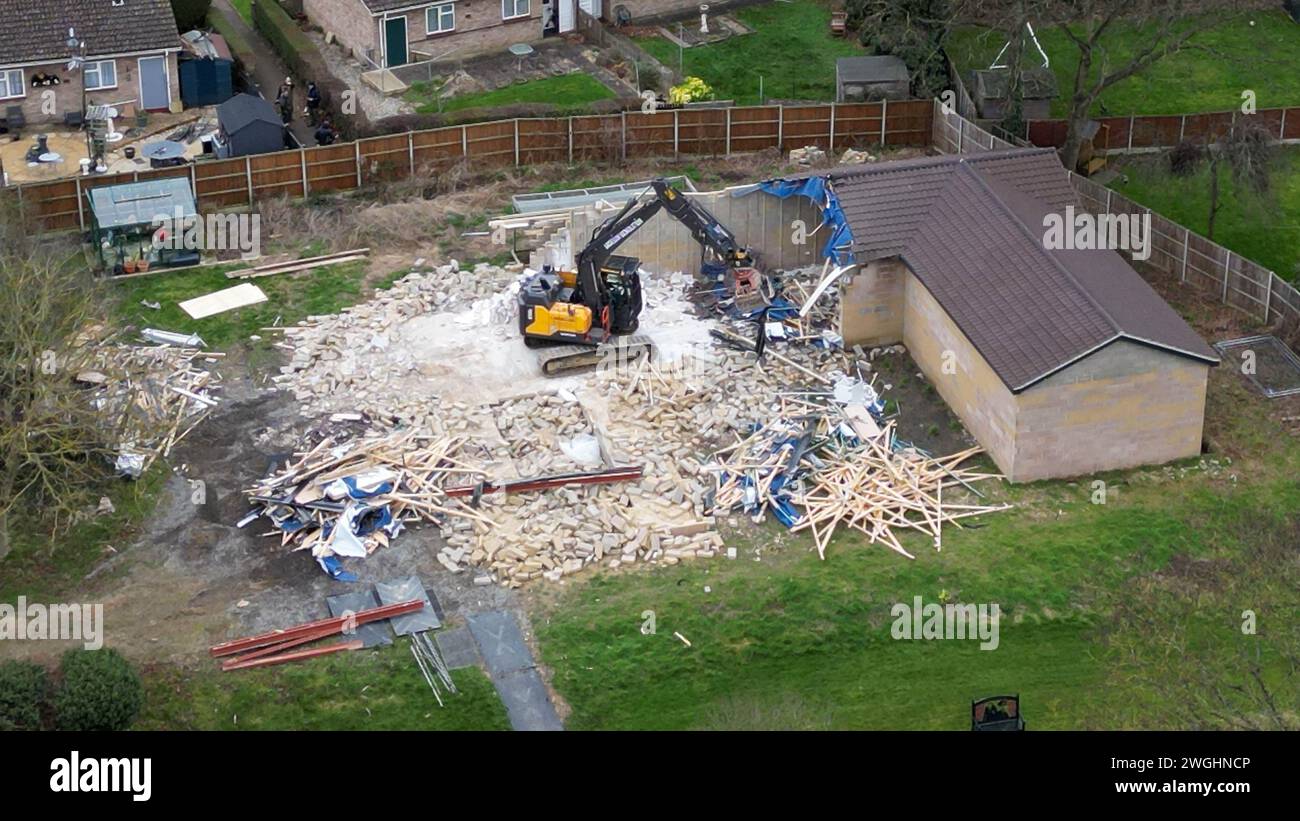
101	75
11	84
514	8
440	18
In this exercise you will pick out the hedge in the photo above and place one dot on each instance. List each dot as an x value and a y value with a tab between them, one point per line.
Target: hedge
98	690
23	686
240	48
306	63
190	14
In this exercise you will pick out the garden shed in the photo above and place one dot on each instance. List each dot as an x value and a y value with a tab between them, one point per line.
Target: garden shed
877	77
248	125
990	90
1059	362
124	219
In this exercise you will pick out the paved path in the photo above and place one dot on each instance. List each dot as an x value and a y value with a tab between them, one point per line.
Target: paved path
269	73
512	670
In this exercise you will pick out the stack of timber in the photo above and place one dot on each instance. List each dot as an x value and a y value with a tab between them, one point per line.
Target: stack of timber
276	646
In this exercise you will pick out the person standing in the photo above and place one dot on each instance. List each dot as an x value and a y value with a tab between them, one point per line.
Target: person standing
284	101
313	103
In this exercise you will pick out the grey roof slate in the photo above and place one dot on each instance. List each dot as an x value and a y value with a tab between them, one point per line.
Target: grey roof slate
32	30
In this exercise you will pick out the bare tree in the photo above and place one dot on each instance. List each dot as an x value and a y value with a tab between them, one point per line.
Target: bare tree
1246	150
1092	26
50	450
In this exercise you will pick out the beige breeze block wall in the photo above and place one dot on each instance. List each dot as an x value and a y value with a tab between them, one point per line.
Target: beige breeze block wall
1125	405
759	220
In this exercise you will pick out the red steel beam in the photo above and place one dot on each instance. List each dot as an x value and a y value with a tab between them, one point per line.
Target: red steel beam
620	474
338	623
311	652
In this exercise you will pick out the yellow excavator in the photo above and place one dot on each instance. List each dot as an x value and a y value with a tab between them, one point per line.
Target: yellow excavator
595	310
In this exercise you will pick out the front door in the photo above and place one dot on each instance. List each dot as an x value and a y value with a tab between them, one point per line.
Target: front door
567	15
395	41
155	91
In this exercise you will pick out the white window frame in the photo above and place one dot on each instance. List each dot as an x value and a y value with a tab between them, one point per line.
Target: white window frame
515	4
99	72
434	13
8	75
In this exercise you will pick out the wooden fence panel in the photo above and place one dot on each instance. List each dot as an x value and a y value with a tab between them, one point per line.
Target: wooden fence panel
1291	124
907	122
543	141
804	125
650	134
385	159
331	168
221	183
438	149
857	125
1155	132
702	131
1202	127
276	175
491	144
755	128
598	138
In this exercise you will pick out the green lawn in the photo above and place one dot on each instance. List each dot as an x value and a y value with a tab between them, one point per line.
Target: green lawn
1211	77
791	49
1264	229
795	643
290	297
569	91
245	9
376	689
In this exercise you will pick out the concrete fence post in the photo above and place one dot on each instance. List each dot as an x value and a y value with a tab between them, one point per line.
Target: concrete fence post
677	132
356	158
194	183
1187	241
728	131
1268	294
570	141
1281	129
302	166
623	136
884	115
1182	127
961	135
780	128
410	151
516	142
1131	120
81	212
1227	270
464	143
248	178
831	135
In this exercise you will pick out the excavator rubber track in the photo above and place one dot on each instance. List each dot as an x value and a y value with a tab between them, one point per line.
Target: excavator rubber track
624	351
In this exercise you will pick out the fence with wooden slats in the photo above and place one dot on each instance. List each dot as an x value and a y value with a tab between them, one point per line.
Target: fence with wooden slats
243	181
1152	133
1200	262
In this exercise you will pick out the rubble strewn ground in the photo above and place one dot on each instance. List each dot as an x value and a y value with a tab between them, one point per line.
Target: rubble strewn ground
440	354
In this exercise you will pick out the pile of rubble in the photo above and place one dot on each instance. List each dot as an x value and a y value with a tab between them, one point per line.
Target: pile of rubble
150	397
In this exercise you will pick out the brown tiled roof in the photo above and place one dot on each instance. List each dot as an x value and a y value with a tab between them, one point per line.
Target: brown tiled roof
32	30
971	229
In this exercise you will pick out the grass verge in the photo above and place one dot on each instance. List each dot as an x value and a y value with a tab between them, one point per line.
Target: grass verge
572	92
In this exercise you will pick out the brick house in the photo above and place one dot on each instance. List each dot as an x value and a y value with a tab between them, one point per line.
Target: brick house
131	49
390	33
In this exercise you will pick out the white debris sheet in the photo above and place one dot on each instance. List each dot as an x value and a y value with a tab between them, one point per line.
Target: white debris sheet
227	299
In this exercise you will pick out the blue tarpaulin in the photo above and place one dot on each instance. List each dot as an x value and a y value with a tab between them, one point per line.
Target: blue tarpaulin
840	241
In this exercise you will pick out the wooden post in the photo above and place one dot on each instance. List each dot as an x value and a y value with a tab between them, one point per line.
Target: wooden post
1187	241
81	212
248	178
884	113
302	162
